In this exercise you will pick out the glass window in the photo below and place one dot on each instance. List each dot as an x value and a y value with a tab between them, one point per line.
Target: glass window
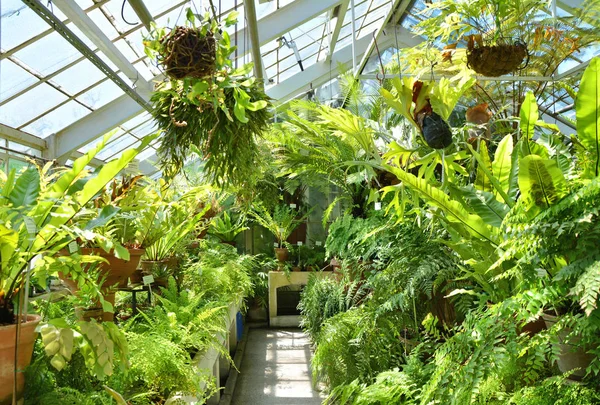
33	103
58	119
13	79
79	77
48	54
101	94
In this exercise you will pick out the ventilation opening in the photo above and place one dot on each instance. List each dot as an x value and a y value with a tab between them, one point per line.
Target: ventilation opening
288	298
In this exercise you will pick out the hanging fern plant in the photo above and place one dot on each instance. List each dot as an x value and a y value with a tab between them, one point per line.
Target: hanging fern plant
206	104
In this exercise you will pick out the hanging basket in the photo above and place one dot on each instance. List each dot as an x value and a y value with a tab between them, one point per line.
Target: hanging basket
499	59
436	131
188	53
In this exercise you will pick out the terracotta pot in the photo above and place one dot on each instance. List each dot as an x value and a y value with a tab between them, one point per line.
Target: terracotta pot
136	277
117	271
147	265
296	268
87	314
571	355
282	254
27	336
534	327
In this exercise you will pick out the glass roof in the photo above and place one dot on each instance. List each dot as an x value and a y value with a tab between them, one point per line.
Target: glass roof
47	85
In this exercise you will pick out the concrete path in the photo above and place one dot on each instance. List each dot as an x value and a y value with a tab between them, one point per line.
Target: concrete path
276	369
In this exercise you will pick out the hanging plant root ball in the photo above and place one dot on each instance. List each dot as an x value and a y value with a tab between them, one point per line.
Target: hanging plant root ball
435	130
188	53
497	60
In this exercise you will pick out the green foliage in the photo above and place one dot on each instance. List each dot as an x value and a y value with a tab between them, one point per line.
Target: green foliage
218	116
555	391
588	119
322	298
225	228
281	223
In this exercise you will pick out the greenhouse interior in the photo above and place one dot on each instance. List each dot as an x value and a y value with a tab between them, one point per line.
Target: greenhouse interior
297	202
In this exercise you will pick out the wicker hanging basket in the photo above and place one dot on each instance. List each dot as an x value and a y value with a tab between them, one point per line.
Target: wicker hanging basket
188	53
499	59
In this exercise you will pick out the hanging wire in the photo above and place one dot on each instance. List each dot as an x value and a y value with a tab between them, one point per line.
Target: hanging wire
123	14
397	44
382	78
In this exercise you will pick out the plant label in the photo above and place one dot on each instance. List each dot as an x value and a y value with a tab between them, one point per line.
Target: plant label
377	206
30	225
292	205
318	243
148	280
73	247
303	152
275	244
281	230
299	243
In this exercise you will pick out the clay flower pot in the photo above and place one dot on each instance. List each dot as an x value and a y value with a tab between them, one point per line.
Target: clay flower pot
117	271
282	254
571	356
27	335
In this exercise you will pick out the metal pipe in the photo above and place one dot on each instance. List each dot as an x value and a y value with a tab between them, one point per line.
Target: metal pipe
353	37
481	78
253	30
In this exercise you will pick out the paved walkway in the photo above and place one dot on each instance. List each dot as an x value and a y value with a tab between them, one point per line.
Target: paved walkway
276	369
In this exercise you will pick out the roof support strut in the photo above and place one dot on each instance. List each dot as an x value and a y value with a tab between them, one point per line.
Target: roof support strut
72	38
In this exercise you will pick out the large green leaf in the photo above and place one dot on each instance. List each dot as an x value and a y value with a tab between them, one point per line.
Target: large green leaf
484	165
484	169
587	106
483	204
541	181
27	188
454	211
446	92
503	167
529	116
403	102
67	210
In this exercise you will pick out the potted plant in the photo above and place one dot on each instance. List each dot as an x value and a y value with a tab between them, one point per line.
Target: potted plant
33	214
281	224
226	229
496	32
173	227
207	105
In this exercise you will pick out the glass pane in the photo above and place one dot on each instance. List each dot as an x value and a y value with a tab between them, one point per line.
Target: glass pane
80	76
19	23
101	94
114	147
13	79
48	54
31	104
58	119
16	164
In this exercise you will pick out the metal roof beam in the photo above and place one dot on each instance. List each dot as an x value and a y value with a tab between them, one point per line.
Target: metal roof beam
250	8
335	32
74	40
94	125
142	12
282	21
22	137
147	166
398	7
319	73
82	21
